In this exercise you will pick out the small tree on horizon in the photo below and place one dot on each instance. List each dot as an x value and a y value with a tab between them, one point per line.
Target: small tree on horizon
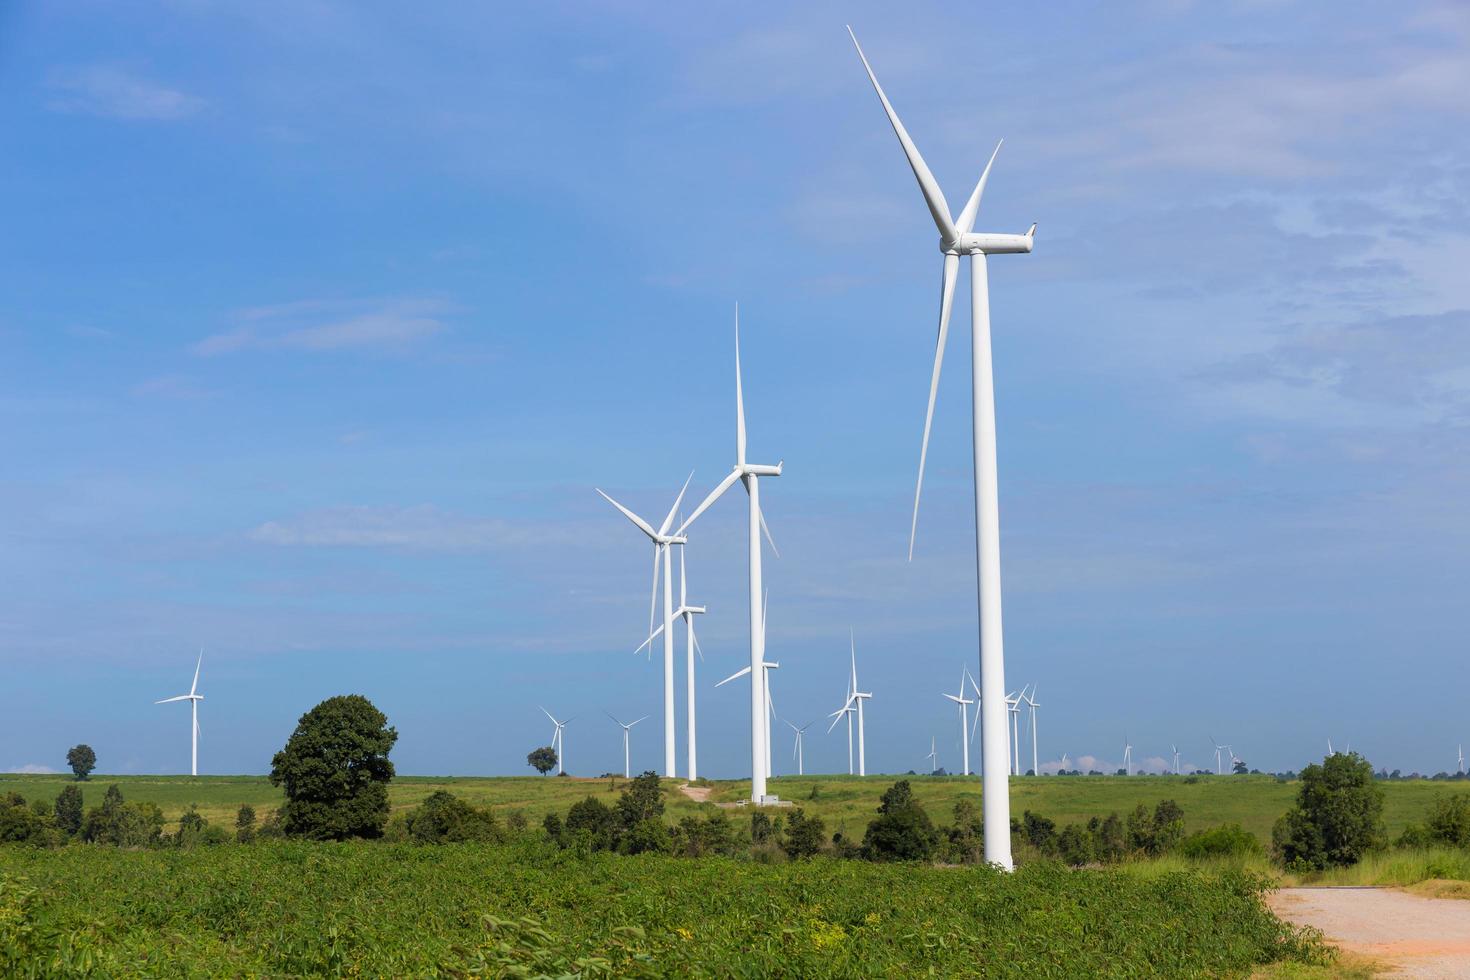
82	760
543	760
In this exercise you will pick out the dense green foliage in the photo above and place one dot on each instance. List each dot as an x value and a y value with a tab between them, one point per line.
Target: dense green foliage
335	771
445	819
1338	816
543	760
68	810
123	823
82	760
1226	841
382	909
902	830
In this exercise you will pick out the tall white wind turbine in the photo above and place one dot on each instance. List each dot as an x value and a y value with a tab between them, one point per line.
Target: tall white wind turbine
687	613
193	697
1176	758
846	711
933	756
662	541
627	731
1127	756
749	474
957	238
964	704
558	740
1013	706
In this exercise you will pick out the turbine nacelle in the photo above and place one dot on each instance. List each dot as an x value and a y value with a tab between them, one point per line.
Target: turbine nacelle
990	244
759	469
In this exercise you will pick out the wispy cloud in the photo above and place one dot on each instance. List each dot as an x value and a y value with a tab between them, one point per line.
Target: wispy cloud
330	326
171	387
114	92
33	769
420	528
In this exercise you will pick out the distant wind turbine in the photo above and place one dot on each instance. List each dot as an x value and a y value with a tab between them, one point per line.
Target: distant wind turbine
766	686
1219	769
854	704
193	697
1031	700
1461	768
964	704
558	742
749	474
933	757
1176	758
662	540
687	613
1127	756
1013	705
796	750
627	730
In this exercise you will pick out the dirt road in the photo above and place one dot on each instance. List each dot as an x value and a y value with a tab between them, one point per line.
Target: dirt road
1418	937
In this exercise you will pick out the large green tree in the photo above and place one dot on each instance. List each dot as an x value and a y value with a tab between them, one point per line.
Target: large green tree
335	771
543	760
902	830
1338	816
82	760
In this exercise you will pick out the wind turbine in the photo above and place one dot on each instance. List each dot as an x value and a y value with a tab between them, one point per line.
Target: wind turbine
956	239
749	474
855	699
846	711
933	756
1220	748
559	743
796	751
1230	751
1031	700
687	613
767	666
1127	756
662	540
193	698
1176	758
1329	747
1013	705
1461	768
964	704
627	730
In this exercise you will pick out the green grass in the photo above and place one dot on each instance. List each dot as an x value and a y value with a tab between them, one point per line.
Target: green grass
844	802
293	908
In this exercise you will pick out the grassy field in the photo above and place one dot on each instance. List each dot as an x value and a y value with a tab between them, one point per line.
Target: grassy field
292	909
844	802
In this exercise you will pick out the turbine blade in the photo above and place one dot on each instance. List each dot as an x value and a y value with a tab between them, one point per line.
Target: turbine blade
769	540
946	304
651	637
638	521
683	582
669	519
615	720
739	673
972	207
714	495
181	697
195	686
632	723
695	637
653	595
933	196
739	397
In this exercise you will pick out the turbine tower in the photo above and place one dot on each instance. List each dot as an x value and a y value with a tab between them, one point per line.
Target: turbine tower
1176	758
964	704
854	703
558	743
1013	706
1219	770
1127	757
749	474
662	540
193	698
627	730
846	711
933	757
956	239
1460	769
687	613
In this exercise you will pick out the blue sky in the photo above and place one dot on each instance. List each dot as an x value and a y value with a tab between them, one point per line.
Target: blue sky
320	322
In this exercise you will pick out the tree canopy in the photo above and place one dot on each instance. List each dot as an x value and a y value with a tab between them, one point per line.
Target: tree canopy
335	771
82	760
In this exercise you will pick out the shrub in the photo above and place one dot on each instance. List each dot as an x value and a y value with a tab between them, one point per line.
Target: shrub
444	818
123	824
1229	840
1338	816
804	835
68	810
599	821
902	831
966	843
245	823
648	836
641	800
1075	845
1040	833
22	824
195	830
335	771
1449	820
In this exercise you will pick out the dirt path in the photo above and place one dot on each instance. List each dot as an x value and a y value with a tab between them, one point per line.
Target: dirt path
1417	937
699	794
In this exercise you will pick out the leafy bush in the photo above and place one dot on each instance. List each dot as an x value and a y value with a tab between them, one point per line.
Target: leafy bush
1338	816
1449	820
804	835
22	824
68	810
902	831
444	818
121	823
1230	840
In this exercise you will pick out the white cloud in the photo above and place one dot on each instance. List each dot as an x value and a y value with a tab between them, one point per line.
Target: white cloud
321	327
116	93
421	528
34	769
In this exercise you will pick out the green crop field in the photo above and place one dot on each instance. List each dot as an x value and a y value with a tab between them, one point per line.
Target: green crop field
844	802
373	909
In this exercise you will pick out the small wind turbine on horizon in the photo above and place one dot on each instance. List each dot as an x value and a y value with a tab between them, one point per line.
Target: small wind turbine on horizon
627	730
964	704
1127	756
749	474
796	750
1176	758
1031	700
1460	769
1219	769
854	703
662	540
558	742
933	757
193	697
956	239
